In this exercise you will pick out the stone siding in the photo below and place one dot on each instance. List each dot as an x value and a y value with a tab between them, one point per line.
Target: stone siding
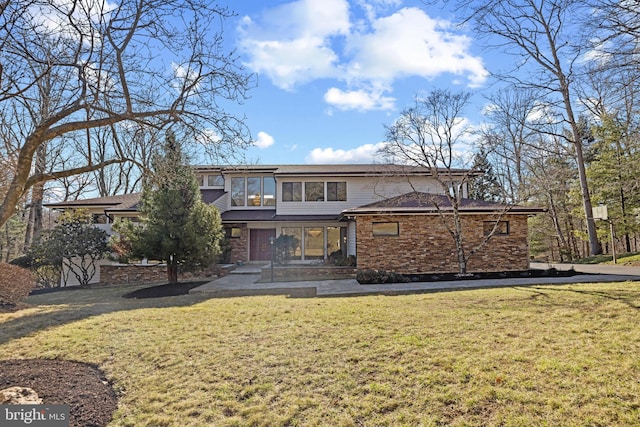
424	245
239	245
130	274
297	273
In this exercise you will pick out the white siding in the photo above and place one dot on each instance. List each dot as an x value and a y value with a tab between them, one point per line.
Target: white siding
360	191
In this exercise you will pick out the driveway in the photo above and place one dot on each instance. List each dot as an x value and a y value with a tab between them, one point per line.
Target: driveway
244	281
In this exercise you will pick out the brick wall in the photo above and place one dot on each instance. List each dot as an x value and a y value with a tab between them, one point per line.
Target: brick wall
130	274
425	246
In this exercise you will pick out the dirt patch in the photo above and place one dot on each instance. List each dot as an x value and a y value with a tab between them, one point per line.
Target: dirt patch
83	387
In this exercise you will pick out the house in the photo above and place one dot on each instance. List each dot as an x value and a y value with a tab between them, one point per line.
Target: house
387	216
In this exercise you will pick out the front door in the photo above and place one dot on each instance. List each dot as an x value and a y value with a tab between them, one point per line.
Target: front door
259	246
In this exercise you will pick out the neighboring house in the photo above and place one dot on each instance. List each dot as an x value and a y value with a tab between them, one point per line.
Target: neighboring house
369	211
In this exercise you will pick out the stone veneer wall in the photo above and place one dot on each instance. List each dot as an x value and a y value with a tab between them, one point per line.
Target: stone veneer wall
294	273
425	246
239	245
135	274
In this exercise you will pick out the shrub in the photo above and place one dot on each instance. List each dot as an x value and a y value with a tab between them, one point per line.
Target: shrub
372	277
15	283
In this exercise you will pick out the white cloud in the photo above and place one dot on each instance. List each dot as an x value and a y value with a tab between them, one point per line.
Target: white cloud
367	153
291	43
358	100
367	47
410	43
264	140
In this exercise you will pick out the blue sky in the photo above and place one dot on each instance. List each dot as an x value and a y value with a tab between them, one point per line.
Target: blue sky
332	73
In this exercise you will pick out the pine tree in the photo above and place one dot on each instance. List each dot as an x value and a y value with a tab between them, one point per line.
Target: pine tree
178	227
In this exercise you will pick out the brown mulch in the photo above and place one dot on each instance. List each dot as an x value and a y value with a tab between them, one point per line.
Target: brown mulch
83	387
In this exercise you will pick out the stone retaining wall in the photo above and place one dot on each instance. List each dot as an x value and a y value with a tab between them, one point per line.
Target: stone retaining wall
295	273
135	274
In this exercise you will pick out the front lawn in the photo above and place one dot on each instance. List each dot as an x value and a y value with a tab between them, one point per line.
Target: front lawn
546	355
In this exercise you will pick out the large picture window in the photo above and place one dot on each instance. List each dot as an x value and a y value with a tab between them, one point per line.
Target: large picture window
291	191
336	191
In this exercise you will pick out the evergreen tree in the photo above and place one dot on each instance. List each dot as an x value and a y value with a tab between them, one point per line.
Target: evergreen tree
178	227
486	186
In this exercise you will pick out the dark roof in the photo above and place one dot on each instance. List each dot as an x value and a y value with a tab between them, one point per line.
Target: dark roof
249	215
418	202
331	170
122	202
211	195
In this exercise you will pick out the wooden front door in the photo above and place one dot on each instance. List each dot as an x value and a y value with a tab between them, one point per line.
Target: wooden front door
259	246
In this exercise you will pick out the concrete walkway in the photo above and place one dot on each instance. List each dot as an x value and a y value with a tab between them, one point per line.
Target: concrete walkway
244	281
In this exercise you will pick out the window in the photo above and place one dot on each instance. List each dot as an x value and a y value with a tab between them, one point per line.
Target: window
297	233
336	191
501	228
253	192
269	191
200	179
313	243
237	192
215	180
291	191
314	191
386	229
233	232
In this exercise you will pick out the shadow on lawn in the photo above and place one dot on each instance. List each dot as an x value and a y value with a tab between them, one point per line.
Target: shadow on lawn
80	303
622	295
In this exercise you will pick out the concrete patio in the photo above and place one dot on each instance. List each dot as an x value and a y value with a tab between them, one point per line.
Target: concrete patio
244	281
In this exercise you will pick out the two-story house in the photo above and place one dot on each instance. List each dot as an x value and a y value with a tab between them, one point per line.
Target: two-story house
384	215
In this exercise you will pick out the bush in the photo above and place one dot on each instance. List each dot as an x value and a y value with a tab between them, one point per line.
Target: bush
15	283
374	277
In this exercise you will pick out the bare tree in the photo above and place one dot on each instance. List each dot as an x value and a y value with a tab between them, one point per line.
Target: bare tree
148	63
545	37
430	135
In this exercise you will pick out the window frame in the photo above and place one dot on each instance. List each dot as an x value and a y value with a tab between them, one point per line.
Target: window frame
502	228
339	190
381	233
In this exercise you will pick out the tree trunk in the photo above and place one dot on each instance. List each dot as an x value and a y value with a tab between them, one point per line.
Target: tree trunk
172	271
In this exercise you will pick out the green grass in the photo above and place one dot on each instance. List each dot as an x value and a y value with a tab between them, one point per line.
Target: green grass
632	258
525	356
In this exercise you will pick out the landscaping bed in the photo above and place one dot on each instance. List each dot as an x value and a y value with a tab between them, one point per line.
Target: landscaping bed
369	277
83	387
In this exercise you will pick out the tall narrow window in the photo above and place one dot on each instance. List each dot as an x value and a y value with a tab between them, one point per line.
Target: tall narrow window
237	192
313	243
336	191
269	191
291	191
314	191
253	192
296	232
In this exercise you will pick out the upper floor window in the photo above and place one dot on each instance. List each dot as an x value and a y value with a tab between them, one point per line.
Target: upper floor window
215	181
253	191
314	191
291	191
336	191
237	192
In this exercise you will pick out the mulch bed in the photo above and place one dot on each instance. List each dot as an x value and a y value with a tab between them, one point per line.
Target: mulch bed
168	290
83	387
